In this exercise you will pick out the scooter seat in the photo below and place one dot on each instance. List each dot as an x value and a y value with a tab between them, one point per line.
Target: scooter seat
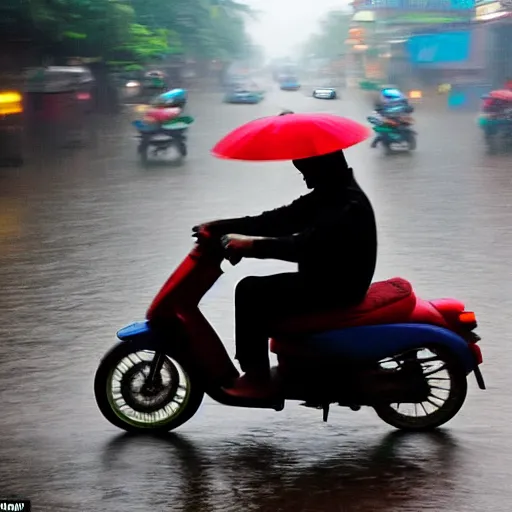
386	302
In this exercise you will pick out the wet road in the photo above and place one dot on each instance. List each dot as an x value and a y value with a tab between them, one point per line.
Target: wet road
87	238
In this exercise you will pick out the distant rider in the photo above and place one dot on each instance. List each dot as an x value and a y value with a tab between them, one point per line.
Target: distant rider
166	107
156	81
392	106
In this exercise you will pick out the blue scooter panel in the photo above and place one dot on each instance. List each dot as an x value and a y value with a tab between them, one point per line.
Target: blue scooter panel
135	330
381	341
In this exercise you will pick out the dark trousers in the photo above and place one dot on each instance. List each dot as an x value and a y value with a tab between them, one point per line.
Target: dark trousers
261	302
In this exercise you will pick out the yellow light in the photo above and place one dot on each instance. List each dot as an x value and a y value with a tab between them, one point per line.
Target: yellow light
10	97
415	95
10	109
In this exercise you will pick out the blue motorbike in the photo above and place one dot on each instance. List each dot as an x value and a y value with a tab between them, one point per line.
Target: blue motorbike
289	84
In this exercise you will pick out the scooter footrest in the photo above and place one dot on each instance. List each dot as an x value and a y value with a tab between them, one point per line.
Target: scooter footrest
312	405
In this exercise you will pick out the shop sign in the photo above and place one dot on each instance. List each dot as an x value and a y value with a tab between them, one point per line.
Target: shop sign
506	4
364	17
418	5
489	11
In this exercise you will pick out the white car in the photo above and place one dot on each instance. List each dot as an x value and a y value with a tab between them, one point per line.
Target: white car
325	93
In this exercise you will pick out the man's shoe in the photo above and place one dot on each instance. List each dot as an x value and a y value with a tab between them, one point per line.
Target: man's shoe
253	386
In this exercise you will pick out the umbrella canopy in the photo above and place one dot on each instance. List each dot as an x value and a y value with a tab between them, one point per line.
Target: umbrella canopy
501	94
290	137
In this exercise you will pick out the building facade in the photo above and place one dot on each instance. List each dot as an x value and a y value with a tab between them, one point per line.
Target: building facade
404	42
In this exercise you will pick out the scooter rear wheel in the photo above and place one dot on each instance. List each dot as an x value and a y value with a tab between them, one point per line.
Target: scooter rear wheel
127	398
411	140
143	151
448	390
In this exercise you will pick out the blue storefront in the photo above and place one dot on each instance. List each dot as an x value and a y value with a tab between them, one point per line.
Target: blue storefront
456	57
445	49
472	59
494	18
417	5
439	37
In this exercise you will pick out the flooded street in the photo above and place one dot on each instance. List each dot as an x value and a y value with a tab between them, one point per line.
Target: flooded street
88	237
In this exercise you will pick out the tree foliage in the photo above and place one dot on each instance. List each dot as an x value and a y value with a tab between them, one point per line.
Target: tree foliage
205	28
329	41
138	30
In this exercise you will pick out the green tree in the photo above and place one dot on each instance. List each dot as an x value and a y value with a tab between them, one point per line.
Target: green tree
138	30
88	28
329	41
205	28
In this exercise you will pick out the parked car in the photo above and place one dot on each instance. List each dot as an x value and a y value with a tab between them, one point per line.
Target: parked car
248	93
325	93
11	127
289	83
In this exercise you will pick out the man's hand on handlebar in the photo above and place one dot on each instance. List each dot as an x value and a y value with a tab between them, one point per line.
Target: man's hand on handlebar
237	247
201	231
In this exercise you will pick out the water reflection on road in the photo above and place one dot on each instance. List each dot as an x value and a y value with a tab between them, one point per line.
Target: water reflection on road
393	472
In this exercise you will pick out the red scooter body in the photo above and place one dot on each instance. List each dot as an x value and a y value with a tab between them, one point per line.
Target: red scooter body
325	358
388	302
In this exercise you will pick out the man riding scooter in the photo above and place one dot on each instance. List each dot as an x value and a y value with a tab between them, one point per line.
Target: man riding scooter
331	234
393	107
166	107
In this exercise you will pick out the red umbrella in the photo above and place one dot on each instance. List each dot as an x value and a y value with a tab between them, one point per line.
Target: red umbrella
501	94
290	137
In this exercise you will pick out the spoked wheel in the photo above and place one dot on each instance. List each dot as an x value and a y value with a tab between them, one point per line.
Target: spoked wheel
173	154
143	151
176	152
140	389
493	143
446	379
388	150
411	140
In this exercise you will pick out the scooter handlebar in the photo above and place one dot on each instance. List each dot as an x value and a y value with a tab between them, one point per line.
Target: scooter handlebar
203	237
233	258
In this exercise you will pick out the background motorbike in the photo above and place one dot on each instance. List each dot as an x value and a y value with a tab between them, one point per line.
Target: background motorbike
155	140
395	135
498	134
405	357
496	123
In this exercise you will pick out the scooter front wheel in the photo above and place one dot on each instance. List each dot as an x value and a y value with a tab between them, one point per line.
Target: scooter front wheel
141	389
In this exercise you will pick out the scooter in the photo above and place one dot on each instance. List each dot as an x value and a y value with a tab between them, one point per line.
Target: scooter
394	135
157	139
406	357
495	120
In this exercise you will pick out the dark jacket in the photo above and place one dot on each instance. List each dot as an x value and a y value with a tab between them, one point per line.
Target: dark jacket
330	232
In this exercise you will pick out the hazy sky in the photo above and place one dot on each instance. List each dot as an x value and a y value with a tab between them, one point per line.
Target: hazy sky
283	24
